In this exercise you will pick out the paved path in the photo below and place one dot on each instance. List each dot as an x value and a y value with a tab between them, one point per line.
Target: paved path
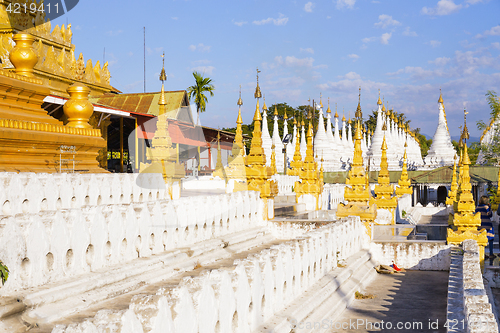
416	299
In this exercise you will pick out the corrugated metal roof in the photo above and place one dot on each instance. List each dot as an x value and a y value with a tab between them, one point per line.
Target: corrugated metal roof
146	103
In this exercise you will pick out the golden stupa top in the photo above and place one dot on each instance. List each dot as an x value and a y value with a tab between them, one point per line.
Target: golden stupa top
379	102
163	75
383	107
349	121
257	116
328	110
264	107
384	127
258	93
384	144
440	100
358	113
275	109
284	115
336	114
302	122
240	101
343	117
294	121
320	102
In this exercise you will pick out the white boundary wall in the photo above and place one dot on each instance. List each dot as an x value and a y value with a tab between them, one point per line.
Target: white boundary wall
33	193
53	245
333	194
285	183
241	298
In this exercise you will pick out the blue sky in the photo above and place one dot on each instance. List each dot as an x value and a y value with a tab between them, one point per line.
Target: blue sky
407	49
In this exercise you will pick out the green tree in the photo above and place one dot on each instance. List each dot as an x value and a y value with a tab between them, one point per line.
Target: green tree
491	150
197	92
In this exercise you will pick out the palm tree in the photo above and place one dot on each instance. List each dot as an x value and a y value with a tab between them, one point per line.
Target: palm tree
197	92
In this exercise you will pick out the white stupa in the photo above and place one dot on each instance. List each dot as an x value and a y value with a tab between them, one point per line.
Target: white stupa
322	147
267	142
441	152
374	153
303	142
278	145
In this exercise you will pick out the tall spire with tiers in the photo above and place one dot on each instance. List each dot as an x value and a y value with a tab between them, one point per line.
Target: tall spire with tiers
452	193
296	164
441	151
330	158
276	142
465	220
403	182
236	162
267	142
303	143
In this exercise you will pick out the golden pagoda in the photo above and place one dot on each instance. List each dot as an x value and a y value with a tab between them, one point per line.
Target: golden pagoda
357	194
219	167
296	163
162	154
30	139
452	193
384	190
465	220
310	184
257	173
403	182
236	162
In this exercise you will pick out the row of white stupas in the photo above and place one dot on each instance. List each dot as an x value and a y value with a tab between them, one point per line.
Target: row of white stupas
336	147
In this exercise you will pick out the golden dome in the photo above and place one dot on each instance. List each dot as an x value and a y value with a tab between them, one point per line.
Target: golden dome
383	108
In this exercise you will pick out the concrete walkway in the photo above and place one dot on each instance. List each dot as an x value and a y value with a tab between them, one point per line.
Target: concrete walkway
414	300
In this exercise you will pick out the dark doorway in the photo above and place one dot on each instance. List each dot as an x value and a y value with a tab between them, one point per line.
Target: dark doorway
441	194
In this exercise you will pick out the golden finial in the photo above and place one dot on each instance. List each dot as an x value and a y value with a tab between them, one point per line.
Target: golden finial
328	110
440	100
379	102
383	105
336	114
465	132
358	113
264	107
163	75
285	116
302	123
349	121
240	101
258	93
275	110
384	144
384	127
320	102
343	114
406	144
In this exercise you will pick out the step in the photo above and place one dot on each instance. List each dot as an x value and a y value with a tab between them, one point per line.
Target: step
285	198
48	306
330	295
287	209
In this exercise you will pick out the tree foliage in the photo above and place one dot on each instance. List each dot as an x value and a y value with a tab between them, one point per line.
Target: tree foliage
197	91
491	150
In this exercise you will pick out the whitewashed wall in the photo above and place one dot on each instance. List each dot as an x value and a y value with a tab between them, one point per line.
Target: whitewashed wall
53	245
285	183
33	193
425	256
333	194
238	299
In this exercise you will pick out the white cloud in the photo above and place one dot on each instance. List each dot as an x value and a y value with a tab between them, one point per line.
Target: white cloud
204	69
350	76
444	7
386	21
345	3
112	33
353	56
239	23
440	61
308	50
409	33
434	43
200	47
495	31
309	7
292	61
496	45
473	2
281	20
369	39
384	39
201	62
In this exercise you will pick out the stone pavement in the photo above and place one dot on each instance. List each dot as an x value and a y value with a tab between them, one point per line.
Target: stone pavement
414	300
